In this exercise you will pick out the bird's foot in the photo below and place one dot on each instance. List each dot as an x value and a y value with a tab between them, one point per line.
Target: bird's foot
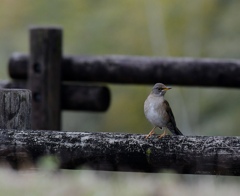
162	135
150	133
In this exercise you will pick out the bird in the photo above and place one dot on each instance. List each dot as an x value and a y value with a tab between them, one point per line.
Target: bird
158	111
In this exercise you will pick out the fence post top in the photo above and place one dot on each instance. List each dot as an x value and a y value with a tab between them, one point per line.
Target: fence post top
45	28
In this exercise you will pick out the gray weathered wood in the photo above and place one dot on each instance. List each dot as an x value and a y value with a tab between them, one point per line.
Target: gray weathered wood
44	76
142	70
125	152
75	97
15	109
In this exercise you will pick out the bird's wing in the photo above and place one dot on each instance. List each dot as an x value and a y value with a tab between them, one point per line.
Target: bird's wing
171	124
170	113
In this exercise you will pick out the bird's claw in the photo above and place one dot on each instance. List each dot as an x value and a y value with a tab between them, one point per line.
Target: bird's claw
150	133
162	135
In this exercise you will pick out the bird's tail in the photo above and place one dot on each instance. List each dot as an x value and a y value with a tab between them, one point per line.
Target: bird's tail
176	131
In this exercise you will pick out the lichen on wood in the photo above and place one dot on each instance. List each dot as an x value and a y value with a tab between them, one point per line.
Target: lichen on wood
215	155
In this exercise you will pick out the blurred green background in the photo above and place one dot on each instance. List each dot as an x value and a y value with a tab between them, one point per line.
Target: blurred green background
201	28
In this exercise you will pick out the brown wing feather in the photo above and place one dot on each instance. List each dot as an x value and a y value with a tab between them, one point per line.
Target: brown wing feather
172	123
170	113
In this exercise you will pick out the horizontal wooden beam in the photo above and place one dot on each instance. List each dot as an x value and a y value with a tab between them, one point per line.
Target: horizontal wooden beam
141	70
124	152
75	97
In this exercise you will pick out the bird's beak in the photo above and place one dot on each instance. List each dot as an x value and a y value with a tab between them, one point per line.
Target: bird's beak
167	88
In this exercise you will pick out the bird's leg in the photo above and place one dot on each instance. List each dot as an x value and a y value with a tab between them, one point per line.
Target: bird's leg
162	135
151	133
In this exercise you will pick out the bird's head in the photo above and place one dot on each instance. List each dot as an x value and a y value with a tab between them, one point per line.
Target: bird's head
159	89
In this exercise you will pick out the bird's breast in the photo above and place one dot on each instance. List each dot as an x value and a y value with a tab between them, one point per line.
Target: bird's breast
155	112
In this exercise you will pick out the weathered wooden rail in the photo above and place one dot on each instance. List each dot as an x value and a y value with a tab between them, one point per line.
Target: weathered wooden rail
73	97
124	152
140	70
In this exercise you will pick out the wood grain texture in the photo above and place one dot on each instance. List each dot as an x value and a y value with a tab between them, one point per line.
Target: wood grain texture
141	70
15	109
126	152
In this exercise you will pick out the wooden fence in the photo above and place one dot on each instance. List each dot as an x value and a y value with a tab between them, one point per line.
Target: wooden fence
49	75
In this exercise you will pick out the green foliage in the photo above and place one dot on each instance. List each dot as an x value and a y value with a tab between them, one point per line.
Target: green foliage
48	163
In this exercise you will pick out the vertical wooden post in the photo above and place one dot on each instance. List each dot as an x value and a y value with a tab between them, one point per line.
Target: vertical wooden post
44	77
15	109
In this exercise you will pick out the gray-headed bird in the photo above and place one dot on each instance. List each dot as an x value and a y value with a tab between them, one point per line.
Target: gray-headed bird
158	111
